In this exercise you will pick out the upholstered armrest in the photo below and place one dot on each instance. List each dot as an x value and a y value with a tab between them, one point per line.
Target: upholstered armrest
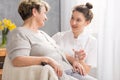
36	72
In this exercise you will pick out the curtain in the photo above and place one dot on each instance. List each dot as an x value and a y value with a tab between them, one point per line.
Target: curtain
109	40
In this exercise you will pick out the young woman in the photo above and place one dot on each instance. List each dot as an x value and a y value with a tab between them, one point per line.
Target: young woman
78	42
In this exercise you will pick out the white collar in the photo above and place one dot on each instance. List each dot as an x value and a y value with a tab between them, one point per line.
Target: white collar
85	34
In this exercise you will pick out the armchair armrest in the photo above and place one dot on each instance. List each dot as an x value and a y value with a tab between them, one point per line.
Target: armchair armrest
35	72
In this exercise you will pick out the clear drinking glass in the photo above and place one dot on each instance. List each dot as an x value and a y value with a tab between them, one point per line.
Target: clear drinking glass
77	48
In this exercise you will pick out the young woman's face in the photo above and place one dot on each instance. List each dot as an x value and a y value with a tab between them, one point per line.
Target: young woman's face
41	17
78	21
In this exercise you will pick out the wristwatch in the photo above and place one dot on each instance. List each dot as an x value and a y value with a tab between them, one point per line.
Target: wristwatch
43	63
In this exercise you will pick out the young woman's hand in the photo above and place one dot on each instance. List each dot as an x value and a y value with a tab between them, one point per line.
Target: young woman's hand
81	55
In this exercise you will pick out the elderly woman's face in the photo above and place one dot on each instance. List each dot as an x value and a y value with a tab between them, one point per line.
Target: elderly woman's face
78	21
41	17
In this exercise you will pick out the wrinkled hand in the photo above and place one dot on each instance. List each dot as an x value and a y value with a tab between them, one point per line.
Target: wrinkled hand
56	67
77	67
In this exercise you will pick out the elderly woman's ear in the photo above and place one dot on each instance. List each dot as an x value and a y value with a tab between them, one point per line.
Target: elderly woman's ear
34	12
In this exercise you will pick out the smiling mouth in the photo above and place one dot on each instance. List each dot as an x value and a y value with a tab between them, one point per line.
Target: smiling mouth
74	26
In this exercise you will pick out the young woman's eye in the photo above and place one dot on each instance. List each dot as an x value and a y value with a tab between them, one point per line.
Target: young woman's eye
78	20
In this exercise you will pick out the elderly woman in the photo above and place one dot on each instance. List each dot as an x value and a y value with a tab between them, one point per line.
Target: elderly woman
28	46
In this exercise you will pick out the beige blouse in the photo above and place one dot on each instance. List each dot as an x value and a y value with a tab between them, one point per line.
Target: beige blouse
24	42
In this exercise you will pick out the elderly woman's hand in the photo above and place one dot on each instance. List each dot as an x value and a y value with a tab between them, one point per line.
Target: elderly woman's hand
77	67
55	66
